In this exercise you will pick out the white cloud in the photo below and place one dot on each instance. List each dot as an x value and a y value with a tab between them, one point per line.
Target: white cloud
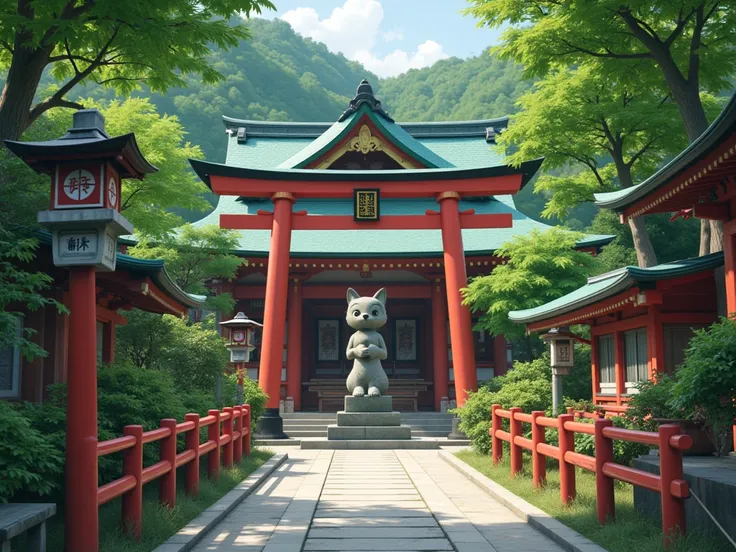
399	61
393	35
354	28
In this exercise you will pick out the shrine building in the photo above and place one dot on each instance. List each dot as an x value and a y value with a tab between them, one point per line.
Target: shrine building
641	319
367	203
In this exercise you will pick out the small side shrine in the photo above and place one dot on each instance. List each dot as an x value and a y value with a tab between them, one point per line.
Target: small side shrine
641	320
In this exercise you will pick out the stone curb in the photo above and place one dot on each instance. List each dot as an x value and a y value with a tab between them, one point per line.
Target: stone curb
560	533
195	530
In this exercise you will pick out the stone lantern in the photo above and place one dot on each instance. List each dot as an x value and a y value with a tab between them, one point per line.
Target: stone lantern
562	342
239	337
86	167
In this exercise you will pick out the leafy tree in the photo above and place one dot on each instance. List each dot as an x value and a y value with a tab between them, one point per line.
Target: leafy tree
114	44
194	255
20	287
540	267
613	130
148	203
688	43
194	354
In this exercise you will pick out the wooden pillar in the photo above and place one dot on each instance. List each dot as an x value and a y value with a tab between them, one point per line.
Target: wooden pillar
294	345
655	341
729	260
500	364
461	336
595	374
274	315
439	343
619	362
81	521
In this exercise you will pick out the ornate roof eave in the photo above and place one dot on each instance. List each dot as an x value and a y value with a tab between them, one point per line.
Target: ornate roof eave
42	156
719	131
618	281
206	169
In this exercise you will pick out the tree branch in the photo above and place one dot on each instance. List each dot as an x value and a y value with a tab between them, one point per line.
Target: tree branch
609	54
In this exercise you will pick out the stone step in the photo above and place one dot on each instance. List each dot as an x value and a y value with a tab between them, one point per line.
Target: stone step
300	434
371	445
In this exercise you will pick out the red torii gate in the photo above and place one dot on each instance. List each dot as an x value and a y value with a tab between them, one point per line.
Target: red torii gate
283	187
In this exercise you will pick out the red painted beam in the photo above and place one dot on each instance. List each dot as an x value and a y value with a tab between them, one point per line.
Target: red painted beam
332	291
346	222
259	187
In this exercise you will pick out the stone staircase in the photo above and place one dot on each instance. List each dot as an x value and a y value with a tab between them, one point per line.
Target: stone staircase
306	425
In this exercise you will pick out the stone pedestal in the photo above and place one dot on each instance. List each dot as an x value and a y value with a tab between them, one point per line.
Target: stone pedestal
368	419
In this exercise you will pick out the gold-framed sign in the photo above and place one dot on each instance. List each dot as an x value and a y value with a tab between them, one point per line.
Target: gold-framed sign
366	204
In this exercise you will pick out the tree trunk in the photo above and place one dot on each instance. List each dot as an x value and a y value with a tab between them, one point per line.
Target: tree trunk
704	237
645	255
24	75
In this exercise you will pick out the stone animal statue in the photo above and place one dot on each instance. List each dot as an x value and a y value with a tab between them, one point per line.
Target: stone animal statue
366	347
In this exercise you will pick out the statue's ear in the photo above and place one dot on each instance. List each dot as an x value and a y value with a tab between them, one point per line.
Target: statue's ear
381	295
352	295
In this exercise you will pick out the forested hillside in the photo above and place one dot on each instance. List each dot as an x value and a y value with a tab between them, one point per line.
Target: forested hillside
480	87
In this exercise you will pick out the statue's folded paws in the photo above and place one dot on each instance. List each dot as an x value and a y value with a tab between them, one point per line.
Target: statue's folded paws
359	391
374	392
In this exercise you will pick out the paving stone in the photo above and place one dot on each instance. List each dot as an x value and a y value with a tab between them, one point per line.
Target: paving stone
375	532
376	545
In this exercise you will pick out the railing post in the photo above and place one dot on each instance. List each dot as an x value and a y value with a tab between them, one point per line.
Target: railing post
213	457
496	444
539	462
247	426
605	504
167	453
227	429
238	428
567	470
133	500
515	430
670	469
191	479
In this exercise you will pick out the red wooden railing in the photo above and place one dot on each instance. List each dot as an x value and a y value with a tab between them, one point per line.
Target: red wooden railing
230	447
669	483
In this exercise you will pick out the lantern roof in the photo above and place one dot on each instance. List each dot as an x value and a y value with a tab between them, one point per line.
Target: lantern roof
86	139
240	321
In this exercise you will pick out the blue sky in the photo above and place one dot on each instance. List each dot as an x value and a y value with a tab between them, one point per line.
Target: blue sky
389	36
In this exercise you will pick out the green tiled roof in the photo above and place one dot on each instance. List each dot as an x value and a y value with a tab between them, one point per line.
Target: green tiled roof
607	285
379	243
398	136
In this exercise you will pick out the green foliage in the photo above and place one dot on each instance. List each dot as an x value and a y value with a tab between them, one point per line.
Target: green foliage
480	87
114	44
20	289
29	463
707	379
541	266
654	400
192	353
195	254
252	395
528	385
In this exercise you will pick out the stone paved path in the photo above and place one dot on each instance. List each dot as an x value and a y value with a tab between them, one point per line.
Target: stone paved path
383	501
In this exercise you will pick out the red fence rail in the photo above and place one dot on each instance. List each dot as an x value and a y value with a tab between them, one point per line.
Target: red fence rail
228	441
669	483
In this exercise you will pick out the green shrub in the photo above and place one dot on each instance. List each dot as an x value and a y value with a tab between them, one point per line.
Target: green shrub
707	380
252	395
624	452
528	385
654	400
29	463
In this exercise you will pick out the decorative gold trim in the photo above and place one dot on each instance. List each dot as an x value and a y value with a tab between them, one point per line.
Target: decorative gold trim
365	142
283	195
448	195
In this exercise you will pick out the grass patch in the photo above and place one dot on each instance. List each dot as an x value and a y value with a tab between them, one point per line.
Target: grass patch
631	532
159	522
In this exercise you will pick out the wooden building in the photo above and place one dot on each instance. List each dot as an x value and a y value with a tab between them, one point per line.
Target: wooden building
439	204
